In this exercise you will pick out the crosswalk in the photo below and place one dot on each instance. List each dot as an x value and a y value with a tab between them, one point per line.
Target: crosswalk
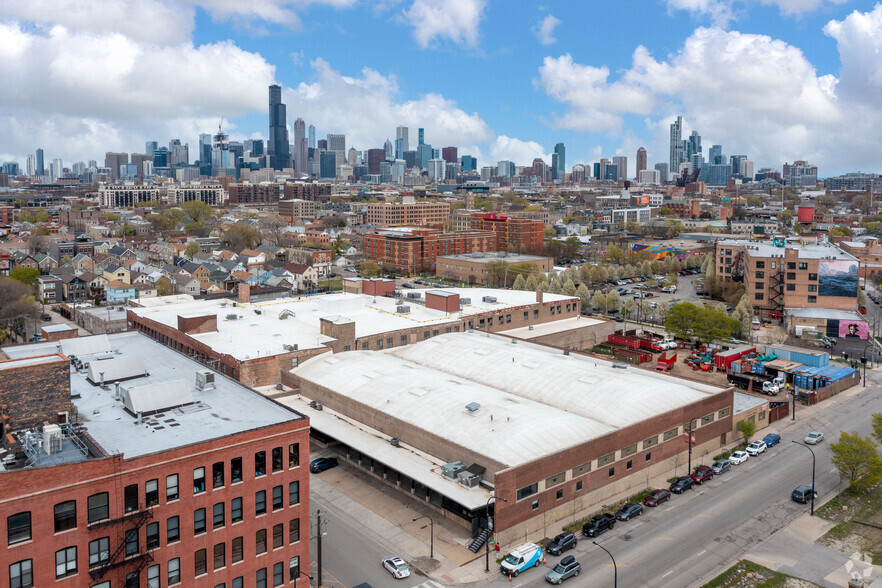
429	584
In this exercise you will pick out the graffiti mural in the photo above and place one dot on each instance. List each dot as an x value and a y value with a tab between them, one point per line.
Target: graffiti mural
838	278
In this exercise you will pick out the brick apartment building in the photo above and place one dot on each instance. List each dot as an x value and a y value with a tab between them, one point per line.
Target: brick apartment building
297	208
476	268
413	250
148	476
312	192
253	194
520	235
127	195
868	251
397	214
781	276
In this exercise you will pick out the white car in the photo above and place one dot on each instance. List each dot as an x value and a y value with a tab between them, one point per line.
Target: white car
814	438
738	457
756	448
396	566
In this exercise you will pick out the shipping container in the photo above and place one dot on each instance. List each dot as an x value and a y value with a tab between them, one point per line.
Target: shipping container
724	358
625	340
804	356
632	356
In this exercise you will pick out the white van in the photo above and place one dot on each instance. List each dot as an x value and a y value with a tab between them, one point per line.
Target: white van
528	555
670	289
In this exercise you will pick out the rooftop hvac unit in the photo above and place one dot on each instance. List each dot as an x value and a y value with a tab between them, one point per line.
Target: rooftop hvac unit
414	295
464	301
312	404
52	438
318	406
394	441
402	309
257	311
489	299
232	317
290	347
204	380
472	407
449	470
467	478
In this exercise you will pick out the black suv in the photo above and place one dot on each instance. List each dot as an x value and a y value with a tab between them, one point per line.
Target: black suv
599	524
681	485
561	543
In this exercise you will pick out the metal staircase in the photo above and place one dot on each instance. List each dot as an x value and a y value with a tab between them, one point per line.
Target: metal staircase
118	558
479	540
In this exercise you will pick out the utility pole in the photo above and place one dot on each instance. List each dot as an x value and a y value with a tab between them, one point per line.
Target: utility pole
318	540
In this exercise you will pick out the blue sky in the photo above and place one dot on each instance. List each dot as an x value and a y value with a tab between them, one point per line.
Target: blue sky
777	80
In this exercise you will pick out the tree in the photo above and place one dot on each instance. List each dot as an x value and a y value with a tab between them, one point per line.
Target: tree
613	300
531	284
568	288
272	227
497	273
877	426
192	249
842	230
614	254
687	320
584	295
520	283
857	460
197	210
746	428
65	260
17	306
239	237
163	286
125	231
599	300
25	275
369	269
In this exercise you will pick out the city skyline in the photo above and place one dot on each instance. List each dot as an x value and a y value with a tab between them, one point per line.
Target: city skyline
777	81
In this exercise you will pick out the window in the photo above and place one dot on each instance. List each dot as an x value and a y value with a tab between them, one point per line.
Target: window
237	551
760	275
294	567
758	296
198	480
18	527
707	419
671	434
578	485
629	450
760	265
294	362
260	541
278	500
236	510
812	298
239	582
608	458
813	288
294	455
278	574
527	491
293	530
404	340
260	463
130	495
650	442
560	494
760	285
294	493
648	456
174	571
365	344
762	415
535	504
277	459
217	474
99	551
133	580
65	562
260	502
152	535
791	287
132	542
379	344
98	508
236	470
153	577
791	265
198	521
151	492
723	413
612	472
582	469
389	342
172	529
201	567
220	555
535	314
260	578
65	516
171	487
217	520
555	480
21	574
803	265
278	535
813	277
791	275
526	315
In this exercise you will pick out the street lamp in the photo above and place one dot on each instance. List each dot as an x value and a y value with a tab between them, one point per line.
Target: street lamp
615	569
489	528
298	574
431	534
813	474
689	441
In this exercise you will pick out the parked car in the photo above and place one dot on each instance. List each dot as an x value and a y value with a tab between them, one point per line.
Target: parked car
772	439
321	464
407	285
397	567
814	438
682	485
46	318
802	494
756	447
656	497
565	568
521	558
738	457
561	543
599	525
721	466
629	511
702	474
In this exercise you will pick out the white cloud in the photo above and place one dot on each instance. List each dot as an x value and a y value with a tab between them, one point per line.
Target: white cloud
456	21
721	12
544	31
505	148
367	109
859	40
799	7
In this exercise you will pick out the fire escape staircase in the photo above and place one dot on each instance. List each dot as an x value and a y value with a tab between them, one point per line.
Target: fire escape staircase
118	558
777	288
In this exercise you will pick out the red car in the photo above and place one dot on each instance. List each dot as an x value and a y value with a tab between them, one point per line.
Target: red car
657	497
702	474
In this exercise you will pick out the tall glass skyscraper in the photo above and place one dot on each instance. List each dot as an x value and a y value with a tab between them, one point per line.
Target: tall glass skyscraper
278	149
311	136
40	168
561	152
677	155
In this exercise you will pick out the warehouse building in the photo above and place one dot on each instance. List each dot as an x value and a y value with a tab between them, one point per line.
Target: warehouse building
146	466
554	433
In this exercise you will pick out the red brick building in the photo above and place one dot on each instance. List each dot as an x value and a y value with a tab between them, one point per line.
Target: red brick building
521	235
254	194
135	487
414	250
307	191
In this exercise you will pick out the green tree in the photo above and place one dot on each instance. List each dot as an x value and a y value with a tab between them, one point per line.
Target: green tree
746	428
548	233
614	254
40	215
111	216
842	230
532	284
369	268
877	426
163	286
613	300
17	306
687	320
584	295
125	230
241	236
599	300
25	275
197	210
568	288
857	460
520	283
192	249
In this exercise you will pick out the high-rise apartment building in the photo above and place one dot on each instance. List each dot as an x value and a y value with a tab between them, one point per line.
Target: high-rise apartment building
31	165
664	171
560	169
389	149
278	148
150	146
468	163
424	154
311	136
113	161
328	164
693	145
677	155
505	169
301	151
422	135
374	158
621	163
800	174
41	169
449	154
520	235
402	133
436	169
641	161
715	155
204	149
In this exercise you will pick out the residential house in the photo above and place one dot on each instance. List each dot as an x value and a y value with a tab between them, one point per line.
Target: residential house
75	288
50	288
252	258
117	272
245	278
186	284
305	277
46	263
119	292
97	284
147	290
200	271
82	262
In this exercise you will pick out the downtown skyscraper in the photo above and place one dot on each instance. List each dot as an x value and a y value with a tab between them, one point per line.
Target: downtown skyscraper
278	150
301	147
677	155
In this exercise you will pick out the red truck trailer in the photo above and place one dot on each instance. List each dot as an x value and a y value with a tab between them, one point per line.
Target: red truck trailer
666	361
625	340
724	358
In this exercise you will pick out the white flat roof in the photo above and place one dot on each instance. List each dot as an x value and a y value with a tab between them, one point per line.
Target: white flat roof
58	328
561	326
534	400
807	251
253	335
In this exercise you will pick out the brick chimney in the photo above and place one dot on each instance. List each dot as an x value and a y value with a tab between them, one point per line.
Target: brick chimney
539	296
244	291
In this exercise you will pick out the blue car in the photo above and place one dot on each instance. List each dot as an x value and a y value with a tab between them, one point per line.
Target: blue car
772	439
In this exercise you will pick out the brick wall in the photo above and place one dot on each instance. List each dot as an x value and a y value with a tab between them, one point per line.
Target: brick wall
197	324
59	335
32	394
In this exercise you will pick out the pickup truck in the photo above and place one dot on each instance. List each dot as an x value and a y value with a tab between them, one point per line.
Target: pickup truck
599	524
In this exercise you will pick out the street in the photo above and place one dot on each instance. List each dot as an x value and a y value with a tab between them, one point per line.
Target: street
684	542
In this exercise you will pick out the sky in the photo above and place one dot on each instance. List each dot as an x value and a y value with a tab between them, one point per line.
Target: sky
776	80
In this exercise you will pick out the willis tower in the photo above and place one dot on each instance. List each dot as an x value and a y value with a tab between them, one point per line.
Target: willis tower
278	149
